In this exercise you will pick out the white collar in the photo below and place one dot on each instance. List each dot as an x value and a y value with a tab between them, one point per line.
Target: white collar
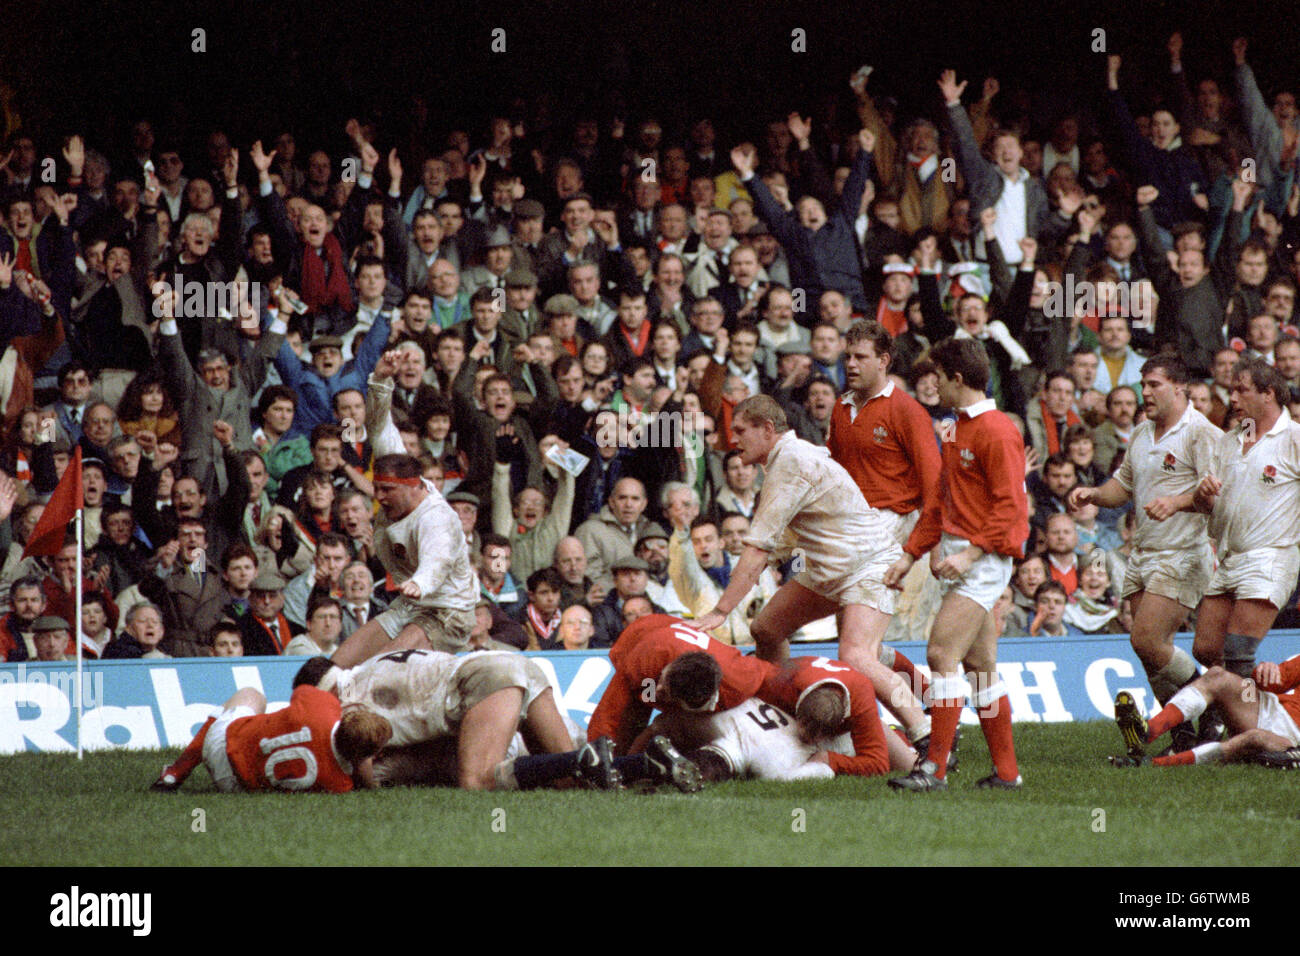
847	397
786	438
978	408
1283	422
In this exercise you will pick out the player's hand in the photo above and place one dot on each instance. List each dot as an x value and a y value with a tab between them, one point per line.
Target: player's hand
1079	496
897	571
481	350
1206	492
708	622
1268	674
595	594
410	589
1158	509
955	565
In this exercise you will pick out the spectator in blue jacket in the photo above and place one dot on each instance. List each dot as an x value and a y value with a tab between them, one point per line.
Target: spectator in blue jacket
1162	161
822	248
327	375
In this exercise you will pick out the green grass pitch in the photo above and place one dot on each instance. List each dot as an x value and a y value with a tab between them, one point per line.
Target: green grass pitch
1073	810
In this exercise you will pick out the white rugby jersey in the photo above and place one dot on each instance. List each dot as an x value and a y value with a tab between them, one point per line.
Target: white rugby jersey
428	545
1259	505
1172	465
412	689
810	502
760	741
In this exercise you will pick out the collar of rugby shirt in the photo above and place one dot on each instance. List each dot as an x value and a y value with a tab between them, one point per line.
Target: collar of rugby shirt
979	408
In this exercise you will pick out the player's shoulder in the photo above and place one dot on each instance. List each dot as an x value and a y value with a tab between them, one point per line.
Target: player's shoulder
314	700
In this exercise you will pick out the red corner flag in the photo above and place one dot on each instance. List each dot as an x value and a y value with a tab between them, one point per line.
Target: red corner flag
57	519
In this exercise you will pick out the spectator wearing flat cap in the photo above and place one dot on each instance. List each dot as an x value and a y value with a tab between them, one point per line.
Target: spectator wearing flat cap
631	575
569	330
265	629
327	374
529	215
498	259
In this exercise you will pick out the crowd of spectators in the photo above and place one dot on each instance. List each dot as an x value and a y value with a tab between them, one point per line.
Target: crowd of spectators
203	325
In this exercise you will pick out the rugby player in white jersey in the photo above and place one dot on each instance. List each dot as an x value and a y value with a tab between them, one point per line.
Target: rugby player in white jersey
421	544
810	507
1252	495
1171	562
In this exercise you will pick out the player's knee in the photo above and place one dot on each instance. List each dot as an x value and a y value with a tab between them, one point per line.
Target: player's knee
1207	655
1216	676
940	661
476	778
764	634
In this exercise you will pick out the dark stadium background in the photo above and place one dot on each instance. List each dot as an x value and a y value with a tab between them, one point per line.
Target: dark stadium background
302	64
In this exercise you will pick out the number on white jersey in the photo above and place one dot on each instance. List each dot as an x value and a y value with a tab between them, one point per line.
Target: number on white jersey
826	664
767	717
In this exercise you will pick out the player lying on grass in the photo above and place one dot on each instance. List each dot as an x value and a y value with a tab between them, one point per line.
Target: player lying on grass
835	730
481	701
1261	716
313	744
662	662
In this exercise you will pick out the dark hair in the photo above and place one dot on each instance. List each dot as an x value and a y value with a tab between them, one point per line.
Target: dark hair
548	576
869	330
1169	365
95	597
332	539
68	368
130	407
334	401
964	357
398	465
1048	587
705	521
483	294
312	671
318	601
1265	378
237	550
326	430
363	261
225	626
1058	460
493	540
1056	373
694	678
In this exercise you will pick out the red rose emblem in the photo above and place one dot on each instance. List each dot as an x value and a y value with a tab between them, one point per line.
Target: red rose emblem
1170	461
1270	471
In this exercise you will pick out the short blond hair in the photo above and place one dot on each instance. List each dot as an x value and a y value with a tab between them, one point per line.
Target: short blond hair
758	409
